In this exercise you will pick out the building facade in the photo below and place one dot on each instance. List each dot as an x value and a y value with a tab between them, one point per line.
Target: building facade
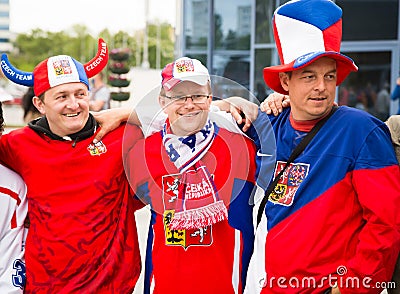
5	44
234	39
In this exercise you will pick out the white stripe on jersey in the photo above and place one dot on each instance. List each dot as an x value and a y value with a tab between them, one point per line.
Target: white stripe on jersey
236	262
13	211
256	274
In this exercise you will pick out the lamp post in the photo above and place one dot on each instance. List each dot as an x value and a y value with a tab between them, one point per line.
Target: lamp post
145	63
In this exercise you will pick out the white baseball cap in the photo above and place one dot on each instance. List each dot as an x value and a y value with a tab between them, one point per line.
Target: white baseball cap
184	69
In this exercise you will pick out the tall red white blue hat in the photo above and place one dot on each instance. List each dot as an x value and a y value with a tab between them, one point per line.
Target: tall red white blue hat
184	69
57	70
304	31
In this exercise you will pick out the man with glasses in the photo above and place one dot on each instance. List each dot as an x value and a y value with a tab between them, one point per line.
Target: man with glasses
197	178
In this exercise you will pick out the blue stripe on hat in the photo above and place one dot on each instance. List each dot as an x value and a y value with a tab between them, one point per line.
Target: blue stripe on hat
319	13
302	60
81	72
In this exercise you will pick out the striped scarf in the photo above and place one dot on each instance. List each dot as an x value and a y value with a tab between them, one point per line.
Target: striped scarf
198	204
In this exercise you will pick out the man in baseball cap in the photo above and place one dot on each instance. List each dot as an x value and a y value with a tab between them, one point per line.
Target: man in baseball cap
324	219
82	236
197	178
184	69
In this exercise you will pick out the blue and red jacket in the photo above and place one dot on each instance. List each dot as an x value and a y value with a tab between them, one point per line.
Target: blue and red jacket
334	213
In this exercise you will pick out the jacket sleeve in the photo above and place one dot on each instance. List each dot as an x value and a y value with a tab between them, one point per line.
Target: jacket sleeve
376	179
8	152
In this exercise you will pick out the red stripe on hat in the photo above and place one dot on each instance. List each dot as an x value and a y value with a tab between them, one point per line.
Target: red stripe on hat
41	78
166	73
333	36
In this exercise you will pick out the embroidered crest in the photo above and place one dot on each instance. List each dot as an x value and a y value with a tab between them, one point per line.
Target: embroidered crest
97	149
184	65
62	67
184	238
289	182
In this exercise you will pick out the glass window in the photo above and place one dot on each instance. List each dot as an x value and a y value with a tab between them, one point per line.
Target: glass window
362	19
369	20
234	75
201	57
366	88
232	21
263	58
264	11
197	24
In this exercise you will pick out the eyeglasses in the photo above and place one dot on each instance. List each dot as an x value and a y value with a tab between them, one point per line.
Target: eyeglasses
196	99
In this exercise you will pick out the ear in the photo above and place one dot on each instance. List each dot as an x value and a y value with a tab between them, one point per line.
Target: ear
162	102
284	78
38	104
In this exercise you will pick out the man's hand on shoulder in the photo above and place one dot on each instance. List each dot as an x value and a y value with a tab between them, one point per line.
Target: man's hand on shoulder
109	120
275	103
242	110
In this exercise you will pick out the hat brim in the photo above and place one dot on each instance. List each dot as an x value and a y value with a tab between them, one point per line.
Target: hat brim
199	79
344	66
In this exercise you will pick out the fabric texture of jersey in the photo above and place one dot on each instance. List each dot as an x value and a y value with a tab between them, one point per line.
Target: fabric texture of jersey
333	213
212	259
13	211
82	236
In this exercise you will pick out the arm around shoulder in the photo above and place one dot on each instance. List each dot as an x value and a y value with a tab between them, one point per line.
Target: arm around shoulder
111	119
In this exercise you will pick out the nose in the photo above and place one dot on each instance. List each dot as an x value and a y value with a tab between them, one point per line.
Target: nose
189	102
320	84
72	102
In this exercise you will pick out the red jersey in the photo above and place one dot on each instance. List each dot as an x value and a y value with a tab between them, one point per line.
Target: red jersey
213	259
82	236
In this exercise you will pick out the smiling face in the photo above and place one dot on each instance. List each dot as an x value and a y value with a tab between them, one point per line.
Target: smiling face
66	108
311	89
186	117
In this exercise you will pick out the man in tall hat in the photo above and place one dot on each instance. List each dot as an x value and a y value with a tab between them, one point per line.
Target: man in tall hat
329	224
82	236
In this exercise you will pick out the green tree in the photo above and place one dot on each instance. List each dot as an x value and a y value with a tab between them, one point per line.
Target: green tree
33	47
161	34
